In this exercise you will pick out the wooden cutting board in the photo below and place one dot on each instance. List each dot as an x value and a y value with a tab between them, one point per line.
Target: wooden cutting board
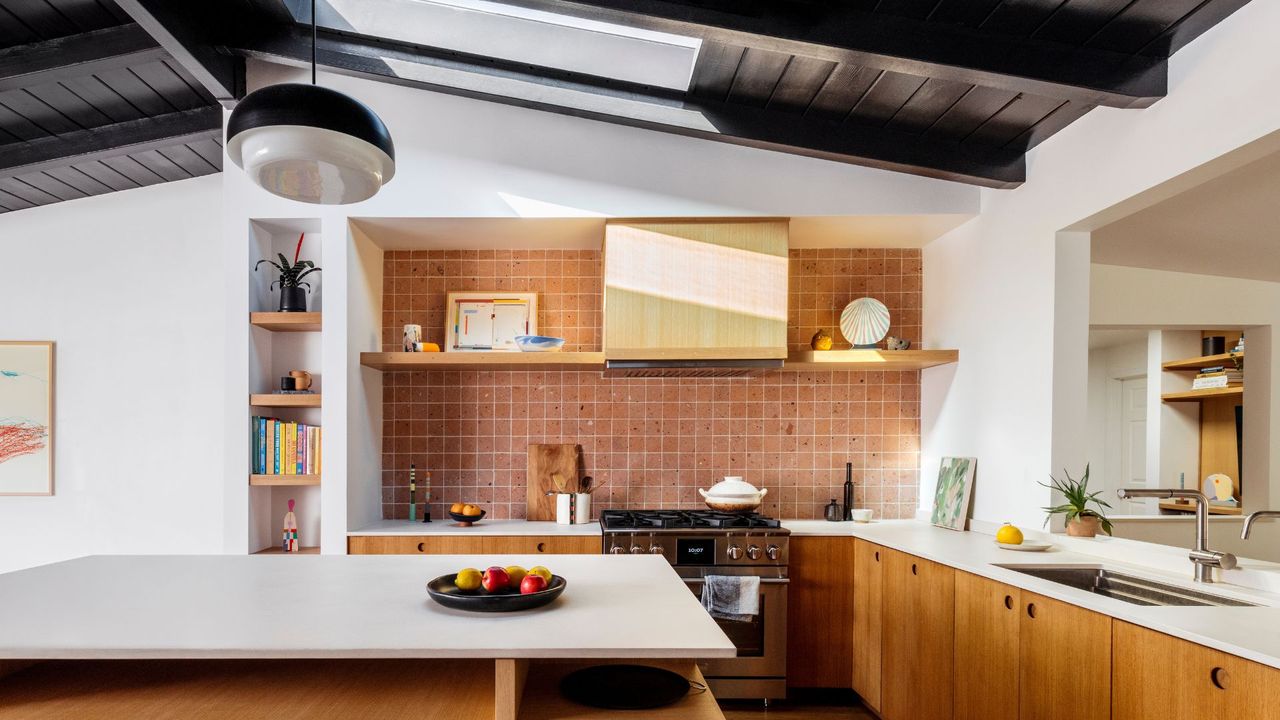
544	462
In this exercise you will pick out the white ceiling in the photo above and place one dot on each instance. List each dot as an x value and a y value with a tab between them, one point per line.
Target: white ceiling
1228	226
1099	339
860	231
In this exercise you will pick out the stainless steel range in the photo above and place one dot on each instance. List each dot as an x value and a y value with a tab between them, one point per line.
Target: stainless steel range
698	543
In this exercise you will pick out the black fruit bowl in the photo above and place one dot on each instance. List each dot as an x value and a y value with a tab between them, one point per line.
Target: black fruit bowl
468	520
443	591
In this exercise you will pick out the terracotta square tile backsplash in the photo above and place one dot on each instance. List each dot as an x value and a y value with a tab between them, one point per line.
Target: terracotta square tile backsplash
650	443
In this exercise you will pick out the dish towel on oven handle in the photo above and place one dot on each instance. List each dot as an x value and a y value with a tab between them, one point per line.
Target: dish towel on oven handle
731	597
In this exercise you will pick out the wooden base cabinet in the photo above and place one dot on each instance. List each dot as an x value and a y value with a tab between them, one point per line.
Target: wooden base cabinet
918	608
1064	661
986	648
1158	677
820	612
473	545
868	585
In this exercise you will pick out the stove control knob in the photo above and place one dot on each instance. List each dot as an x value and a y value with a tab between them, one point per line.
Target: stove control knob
655	549
753	552
617	550
773	552
637	550
735	552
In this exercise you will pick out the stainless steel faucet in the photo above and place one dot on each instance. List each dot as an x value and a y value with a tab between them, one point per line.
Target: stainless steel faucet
1205	559
1253	516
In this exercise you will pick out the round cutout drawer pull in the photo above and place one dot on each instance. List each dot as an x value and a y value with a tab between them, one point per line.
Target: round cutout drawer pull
913	569
877	556
1008	602
542	547
1220	678
1031	610
422	547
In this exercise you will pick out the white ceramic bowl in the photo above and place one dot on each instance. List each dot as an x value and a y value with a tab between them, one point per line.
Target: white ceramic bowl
539	343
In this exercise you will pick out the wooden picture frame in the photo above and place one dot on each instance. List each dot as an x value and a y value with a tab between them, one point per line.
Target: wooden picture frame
26	417
495	335
954	493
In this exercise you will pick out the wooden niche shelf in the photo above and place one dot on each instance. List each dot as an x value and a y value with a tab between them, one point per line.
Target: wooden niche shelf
863	360
483	361
286	321
275	550
1200	363
260	480
285	400
1236	391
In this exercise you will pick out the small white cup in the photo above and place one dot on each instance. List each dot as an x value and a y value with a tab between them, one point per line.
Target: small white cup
862	515
581	508
564	508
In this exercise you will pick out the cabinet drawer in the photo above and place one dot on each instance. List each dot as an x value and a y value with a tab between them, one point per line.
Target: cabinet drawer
472	545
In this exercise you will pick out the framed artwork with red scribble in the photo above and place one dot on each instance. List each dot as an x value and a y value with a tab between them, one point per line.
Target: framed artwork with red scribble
26	417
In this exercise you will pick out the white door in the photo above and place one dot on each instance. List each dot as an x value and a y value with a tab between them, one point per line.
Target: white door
1133	441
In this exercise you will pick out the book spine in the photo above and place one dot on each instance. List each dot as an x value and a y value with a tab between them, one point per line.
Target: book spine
278	446
302	449
319	451
290	448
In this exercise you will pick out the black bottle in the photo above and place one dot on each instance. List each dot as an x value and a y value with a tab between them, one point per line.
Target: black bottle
848	491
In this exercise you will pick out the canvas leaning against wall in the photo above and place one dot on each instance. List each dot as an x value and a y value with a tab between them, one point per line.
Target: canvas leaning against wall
26	418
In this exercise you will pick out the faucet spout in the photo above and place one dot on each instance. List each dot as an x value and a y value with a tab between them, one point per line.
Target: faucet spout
1203	558
1254	517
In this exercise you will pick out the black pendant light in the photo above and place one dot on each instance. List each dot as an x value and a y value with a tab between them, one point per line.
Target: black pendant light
310	143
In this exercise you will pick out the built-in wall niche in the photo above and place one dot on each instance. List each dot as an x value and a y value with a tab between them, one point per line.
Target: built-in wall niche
279	343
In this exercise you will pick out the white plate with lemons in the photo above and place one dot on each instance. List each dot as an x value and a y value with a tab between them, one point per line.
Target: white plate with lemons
1009	537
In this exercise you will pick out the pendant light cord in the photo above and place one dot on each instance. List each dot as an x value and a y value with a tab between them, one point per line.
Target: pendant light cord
313	42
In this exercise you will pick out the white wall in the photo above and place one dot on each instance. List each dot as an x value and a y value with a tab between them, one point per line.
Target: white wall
131	287
1108	367
990	285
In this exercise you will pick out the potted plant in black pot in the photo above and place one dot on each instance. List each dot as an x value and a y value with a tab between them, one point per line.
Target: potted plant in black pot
293	290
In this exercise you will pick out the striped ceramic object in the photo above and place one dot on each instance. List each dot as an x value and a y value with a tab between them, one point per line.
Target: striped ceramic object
864	322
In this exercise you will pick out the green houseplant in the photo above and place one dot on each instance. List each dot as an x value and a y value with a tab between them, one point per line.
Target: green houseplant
1082	521
293	289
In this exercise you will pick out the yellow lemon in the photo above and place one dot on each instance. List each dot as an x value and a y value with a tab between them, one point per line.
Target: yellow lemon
468	579
539	570
516	573
1009	535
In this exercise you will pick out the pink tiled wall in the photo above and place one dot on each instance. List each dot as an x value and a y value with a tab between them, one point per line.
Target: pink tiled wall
651	443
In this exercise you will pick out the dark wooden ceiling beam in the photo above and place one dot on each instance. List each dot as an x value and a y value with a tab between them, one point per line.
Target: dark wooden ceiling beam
76	56
109	141
623	103
184	29
830	31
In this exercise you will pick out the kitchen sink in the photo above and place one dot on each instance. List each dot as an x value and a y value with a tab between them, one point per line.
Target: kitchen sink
1122	586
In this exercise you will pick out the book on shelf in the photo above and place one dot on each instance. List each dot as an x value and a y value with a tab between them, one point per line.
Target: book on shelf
284	448
1219	381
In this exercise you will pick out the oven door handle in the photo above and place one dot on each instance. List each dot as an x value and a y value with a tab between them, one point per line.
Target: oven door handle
763	581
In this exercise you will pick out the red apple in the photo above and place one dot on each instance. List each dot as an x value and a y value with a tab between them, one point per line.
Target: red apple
532	584
495	579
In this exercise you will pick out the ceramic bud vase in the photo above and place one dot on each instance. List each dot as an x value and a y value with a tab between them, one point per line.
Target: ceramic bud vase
1086	526
293	299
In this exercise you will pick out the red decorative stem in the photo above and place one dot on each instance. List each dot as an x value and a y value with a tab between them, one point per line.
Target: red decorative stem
298	251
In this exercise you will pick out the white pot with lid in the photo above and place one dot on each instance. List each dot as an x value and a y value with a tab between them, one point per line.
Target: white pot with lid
733	494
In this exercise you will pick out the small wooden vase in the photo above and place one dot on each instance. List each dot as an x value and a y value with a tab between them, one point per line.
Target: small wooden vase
1084	526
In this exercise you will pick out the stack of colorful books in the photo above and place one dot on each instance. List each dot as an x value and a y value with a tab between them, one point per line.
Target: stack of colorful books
1218	376
284	447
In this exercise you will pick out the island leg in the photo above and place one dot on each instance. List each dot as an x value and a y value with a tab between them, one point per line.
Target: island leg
509	677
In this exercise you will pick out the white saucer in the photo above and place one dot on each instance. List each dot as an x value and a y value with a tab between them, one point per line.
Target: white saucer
1029	546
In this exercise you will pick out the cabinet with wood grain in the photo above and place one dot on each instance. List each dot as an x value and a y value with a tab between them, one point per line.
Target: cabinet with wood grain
917	652
868	585
1064	661
472	544
820	612
986	648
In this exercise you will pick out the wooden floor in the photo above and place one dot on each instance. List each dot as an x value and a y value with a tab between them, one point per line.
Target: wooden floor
798	707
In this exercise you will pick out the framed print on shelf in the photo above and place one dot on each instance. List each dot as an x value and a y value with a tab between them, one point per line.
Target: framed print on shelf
955	488
485	321
26	417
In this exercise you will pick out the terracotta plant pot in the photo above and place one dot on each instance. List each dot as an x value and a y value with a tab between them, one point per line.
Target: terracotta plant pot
1084	526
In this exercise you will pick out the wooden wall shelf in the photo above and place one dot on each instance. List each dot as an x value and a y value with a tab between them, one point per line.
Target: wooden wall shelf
286	321
1235	391
862	360
284	400
263	480
483	361
275	550
1201	363
1190	508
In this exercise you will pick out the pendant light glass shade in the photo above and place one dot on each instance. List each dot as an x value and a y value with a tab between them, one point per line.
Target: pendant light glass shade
310	143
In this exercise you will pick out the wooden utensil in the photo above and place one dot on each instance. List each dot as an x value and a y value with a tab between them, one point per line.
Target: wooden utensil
546	461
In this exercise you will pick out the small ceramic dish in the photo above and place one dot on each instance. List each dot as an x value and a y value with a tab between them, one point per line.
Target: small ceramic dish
539	343
1027	546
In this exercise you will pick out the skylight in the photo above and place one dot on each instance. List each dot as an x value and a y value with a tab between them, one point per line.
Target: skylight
522	35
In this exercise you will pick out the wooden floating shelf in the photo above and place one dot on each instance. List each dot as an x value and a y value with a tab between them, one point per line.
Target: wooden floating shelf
261	480
286	321
861	360
1201	363
1190	507
284	400
1236	391
275	550
483	361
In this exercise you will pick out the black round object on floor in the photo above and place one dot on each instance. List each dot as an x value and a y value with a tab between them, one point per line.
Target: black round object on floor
624	687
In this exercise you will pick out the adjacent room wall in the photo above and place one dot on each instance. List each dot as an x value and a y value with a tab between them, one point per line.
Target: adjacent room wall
130	286
990	285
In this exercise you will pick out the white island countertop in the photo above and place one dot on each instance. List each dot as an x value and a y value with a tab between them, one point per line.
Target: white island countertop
336	606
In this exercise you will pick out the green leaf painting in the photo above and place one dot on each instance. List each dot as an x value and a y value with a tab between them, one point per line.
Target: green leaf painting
955	486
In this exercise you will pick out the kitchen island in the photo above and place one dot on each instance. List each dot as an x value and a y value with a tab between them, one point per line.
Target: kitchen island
331	636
